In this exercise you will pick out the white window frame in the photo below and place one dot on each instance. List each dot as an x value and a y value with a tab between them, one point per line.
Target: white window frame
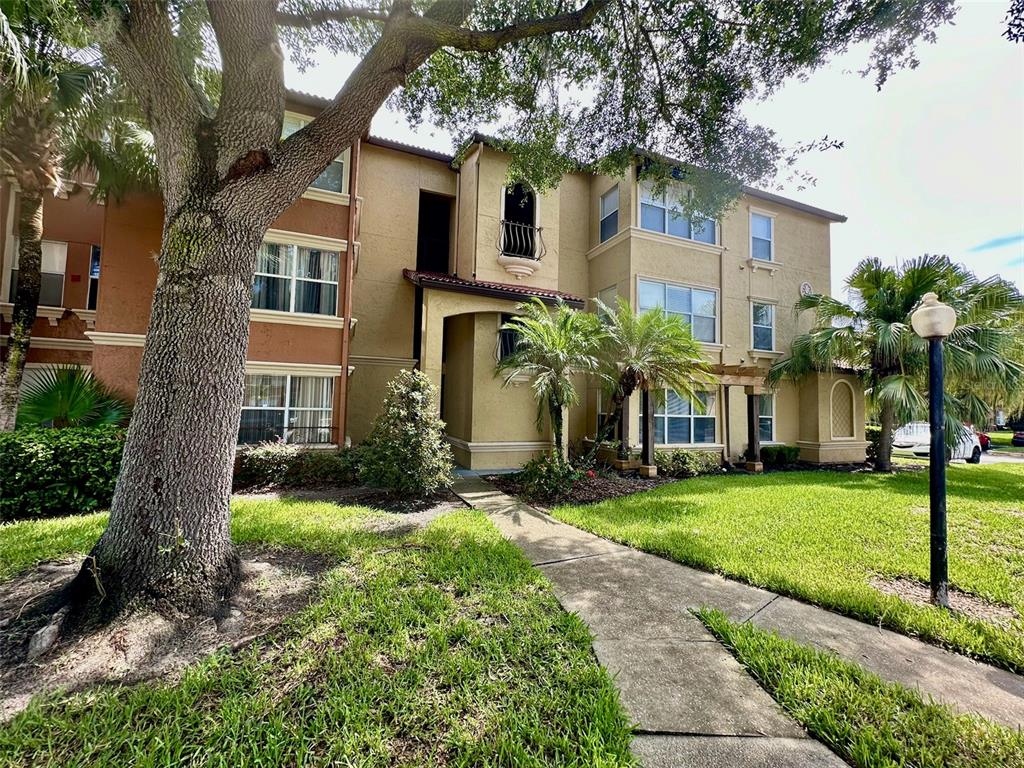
753	338
287	408
708	289
295	240
315	193
12	267
602	215
711	414
668	206
770	398
609	297
771	242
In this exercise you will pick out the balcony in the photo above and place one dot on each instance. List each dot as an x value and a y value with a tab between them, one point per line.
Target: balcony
520	248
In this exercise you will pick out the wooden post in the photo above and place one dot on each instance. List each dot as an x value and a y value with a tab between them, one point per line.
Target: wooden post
647	466
753	432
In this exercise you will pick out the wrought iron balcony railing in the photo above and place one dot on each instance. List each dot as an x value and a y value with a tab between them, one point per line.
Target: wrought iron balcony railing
521	241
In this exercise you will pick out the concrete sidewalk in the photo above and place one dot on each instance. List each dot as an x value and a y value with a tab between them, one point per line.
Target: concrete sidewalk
692	703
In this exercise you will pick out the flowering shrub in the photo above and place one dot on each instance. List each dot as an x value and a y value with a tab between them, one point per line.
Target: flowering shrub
407	451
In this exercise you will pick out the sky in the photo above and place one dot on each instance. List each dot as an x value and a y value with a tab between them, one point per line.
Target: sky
932	163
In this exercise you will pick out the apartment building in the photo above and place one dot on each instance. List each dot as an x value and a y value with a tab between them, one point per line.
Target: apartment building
399	257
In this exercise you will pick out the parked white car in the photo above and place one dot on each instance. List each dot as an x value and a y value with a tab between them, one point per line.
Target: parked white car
914	439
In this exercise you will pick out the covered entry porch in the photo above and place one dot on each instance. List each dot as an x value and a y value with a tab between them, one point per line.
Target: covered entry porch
490	426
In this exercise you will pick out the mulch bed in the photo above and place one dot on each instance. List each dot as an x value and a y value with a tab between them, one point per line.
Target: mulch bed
590	490
976	607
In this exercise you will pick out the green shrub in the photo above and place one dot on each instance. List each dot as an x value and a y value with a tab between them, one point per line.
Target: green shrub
680	462
873	434
779	455
54	472
407	451
279	465
548	478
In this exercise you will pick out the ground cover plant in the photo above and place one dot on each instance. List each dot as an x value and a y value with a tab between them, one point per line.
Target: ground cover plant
825	537
867	721
443	647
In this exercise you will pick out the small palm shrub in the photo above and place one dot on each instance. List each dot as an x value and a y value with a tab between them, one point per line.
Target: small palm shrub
407	451
873	433
682	463
67	396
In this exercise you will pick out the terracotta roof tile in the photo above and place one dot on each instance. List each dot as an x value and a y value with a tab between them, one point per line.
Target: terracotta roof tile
509	291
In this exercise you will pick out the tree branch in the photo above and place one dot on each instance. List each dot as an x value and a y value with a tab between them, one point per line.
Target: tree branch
325	15
444	34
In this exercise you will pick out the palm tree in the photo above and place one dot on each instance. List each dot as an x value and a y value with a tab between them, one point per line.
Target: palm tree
551	347
58	114
648	352
872	335
67	396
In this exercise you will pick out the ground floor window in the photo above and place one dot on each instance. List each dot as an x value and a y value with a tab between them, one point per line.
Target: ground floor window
766	418
678	422
51	278
296	409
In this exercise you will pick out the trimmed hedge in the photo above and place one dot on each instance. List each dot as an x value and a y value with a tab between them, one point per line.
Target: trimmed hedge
54	472
279	465
685	463
779	455
873	434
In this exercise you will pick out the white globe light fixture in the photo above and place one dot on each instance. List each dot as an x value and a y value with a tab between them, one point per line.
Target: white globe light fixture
934	321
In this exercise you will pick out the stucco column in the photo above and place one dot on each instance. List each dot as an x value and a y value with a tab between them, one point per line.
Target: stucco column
647	466
564	447
432	343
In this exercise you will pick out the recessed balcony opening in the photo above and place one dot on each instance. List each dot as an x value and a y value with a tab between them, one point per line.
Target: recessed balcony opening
520	240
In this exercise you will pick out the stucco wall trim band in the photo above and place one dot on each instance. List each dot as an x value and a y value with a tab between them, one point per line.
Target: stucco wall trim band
293	369
499	447
108	339
296	318
42	342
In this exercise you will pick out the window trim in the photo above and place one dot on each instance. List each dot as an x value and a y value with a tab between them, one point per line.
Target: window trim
11	255
602	216
691	286
691	416
750	240
639	219
753	343
325	195
301	240
287	408
774	418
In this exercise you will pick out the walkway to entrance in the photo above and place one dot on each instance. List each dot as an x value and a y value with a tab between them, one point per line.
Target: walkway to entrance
692	703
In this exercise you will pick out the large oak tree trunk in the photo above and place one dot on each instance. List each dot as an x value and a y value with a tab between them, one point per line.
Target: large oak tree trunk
26	303
168	539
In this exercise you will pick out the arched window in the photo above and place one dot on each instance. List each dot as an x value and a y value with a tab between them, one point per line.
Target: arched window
842	409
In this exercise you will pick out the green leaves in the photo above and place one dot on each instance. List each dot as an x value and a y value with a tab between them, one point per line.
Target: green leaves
68	396
872	334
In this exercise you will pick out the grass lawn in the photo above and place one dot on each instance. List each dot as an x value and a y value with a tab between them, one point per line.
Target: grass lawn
1001	442
442	647
865	720
822	536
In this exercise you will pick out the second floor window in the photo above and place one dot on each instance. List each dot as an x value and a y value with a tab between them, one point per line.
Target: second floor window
763	316
293	278
661	212
94	278
697	307
508	338
609	213
51	286
333	178
762	237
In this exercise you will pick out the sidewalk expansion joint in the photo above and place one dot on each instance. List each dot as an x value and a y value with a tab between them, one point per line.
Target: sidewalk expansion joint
570	559
750	618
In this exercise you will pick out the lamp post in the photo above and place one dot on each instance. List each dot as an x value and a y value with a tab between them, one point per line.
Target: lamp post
934	321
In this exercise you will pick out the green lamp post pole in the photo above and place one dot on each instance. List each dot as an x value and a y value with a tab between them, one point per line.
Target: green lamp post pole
934	321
